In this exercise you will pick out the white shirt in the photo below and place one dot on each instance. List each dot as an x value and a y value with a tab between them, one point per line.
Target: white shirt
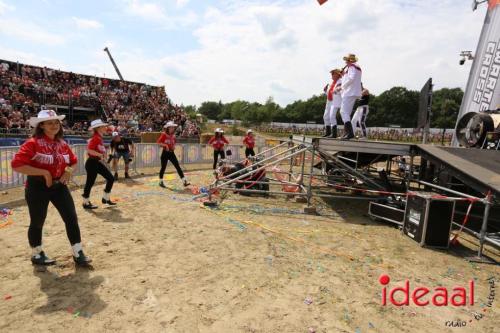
337	98
351	82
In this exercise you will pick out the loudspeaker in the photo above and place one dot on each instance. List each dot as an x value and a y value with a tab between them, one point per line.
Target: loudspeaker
386	212
428	219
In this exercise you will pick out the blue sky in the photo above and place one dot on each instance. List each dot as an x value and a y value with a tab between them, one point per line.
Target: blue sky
226	49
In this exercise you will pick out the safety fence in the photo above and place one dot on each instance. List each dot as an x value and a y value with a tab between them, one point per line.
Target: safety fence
147	155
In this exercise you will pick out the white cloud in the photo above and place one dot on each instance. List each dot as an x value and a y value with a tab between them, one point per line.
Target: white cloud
82	23
29	31
145	10
182	3
4	7
256	49
155	14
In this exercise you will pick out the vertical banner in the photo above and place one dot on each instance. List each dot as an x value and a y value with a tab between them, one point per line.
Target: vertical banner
483	90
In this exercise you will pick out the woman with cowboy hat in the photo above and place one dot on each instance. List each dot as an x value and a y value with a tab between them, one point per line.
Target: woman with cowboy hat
218	141
167	141
350	92
47	160
249	142
333	102
95	165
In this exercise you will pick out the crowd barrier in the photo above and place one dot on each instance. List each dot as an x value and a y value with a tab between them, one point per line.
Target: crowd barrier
147	155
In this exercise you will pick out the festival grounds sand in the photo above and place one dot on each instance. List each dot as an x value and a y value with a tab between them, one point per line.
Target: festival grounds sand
162	263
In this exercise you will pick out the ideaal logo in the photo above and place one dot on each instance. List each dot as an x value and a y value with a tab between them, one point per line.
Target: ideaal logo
459	296
440	296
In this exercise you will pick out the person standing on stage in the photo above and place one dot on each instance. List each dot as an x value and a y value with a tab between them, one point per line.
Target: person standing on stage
249	142
167	141
333	102
95	165
121	148
350	92
359	118
48	162
218	141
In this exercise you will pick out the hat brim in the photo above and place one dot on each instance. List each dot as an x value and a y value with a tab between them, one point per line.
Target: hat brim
34	121
351	59
98	125
170	125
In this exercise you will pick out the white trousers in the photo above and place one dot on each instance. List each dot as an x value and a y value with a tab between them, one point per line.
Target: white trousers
359	119
346	107
330	115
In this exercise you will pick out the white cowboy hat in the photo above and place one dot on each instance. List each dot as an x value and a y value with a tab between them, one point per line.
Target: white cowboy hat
219	130
170	124
45	115
97	123
249	131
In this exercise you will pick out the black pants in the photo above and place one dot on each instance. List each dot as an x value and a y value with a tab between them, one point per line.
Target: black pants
94	167
216	156
38	197
169	156
249	152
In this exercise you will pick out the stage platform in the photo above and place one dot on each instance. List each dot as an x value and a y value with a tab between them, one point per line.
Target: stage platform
477	168
359	146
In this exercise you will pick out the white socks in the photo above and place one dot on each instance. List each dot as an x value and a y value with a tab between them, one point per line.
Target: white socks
105	196
35	251
76	248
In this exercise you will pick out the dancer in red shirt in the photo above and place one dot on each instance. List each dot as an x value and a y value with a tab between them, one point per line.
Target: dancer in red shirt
249	142
218	141
167	141
95	165
47	160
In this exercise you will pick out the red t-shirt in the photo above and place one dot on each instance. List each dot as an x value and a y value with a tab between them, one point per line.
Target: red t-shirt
96	143
249	141
167	139
218	143
45	153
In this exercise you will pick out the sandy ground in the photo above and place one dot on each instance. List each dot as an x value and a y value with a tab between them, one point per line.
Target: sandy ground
163	263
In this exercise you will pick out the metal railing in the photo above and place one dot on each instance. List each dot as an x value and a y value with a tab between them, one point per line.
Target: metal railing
147	155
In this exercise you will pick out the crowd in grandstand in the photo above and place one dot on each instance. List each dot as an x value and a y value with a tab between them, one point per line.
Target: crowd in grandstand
131	107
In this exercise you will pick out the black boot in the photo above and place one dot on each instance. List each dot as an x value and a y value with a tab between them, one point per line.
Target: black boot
349	133
89	205
82	259
334	132
42	259
327	132
108	202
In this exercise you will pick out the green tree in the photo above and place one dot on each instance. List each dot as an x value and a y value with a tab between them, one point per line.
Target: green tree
212	110
396	106
445	107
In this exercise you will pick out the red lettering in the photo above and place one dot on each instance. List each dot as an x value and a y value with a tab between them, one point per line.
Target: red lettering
405	290
459	292
443	295
471	292
416	296
384	296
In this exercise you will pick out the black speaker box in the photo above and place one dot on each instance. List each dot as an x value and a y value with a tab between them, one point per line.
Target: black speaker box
428	219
